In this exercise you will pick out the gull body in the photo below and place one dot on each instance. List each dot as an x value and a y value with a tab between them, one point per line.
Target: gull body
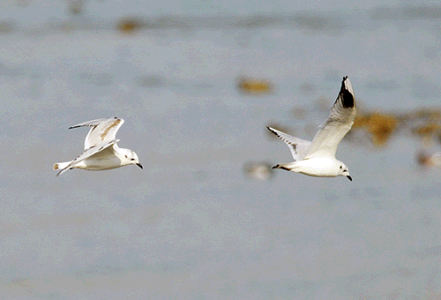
318	167
101	151
317	158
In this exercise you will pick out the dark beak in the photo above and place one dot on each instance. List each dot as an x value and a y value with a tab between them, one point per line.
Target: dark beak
349	177
139	165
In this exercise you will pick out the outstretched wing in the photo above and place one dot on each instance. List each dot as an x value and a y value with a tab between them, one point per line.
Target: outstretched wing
88	153
339	122
298	147
102	130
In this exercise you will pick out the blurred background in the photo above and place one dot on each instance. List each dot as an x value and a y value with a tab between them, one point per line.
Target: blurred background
197	82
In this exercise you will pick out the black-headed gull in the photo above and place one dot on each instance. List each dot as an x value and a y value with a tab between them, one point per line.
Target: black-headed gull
317	158
100	149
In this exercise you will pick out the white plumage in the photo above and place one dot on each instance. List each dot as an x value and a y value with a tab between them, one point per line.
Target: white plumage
100	149
317	158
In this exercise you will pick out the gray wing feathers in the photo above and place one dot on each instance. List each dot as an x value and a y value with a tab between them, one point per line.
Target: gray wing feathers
102	130
298	147
88	153
338	124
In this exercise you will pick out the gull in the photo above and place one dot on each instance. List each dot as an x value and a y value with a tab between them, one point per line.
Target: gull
317	158
100	149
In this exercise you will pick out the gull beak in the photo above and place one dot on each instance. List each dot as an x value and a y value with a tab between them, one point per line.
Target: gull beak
349	177
139	165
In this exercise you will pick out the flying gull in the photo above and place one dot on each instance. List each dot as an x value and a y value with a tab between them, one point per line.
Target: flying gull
317	158
101	151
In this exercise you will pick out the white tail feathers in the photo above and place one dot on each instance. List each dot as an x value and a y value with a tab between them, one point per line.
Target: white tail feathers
62	165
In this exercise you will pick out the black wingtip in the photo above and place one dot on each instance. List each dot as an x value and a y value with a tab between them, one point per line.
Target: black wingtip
281	167
270	129
349	177
346	95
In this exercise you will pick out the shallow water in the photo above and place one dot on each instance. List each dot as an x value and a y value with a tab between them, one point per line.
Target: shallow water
192	225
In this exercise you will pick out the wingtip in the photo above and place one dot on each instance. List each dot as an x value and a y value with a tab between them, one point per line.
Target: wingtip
272	130
347	93
63	171
346	84
279	166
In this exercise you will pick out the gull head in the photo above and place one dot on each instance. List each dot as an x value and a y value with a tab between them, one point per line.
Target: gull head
130	158
344	171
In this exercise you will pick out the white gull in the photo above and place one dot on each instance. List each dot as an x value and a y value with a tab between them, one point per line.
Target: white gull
100	149
317	158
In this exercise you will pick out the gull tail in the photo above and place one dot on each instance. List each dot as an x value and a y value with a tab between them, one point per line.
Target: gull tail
287	167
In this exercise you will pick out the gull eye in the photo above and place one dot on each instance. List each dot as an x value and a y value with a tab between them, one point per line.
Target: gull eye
132	159
341	167
125	156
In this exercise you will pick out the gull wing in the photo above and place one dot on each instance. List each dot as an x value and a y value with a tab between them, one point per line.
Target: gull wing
339	122
88	153
298	147
102	130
